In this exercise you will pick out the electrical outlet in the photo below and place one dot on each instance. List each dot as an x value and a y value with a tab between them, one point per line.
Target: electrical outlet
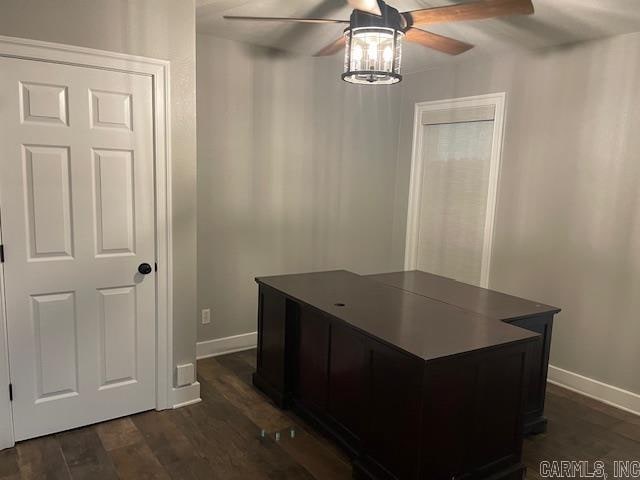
206	316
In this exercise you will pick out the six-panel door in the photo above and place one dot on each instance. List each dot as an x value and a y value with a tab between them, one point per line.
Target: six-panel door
77	200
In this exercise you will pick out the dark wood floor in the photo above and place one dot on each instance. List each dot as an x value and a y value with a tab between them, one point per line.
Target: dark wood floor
220	438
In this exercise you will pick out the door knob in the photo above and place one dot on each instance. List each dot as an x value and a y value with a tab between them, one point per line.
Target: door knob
144	268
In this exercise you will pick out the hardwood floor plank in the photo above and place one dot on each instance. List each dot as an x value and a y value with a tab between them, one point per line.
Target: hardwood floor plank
223	447
629	429
165	439
171	447
310	452
232	444
242	396
41	458
625	450
562	406
240	424
137	462
85	456
249	356
9	463
118	433
239	366
197	469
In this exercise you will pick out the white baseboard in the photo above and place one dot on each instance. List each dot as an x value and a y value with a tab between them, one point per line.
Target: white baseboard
589	387
220	346
187	395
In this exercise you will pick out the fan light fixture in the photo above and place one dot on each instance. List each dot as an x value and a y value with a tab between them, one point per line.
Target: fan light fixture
373	47
372	56
373	39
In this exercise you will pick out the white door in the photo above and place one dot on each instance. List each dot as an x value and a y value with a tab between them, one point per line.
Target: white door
456	190
77	202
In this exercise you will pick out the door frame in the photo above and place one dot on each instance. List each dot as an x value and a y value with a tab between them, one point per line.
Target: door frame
498	100
6	413
159	72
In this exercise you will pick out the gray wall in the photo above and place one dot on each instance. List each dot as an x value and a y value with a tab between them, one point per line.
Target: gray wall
567	229
162	29
296	172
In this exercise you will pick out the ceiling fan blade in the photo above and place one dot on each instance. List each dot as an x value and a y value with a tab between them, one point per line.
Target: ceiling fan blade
369	6
285	19
437	42
470	11
332	48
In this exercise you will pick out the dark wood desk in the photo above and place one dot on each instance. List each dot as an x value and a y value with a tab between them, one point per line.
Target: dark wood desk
411	387
533	316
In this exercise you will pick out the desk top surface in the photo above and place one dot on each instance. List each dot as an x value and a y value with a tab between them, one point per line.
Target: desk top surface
424	327
488	303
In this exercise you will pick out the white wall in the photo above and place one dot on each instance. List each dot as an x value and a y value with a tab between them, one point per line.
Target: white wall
296	172
162	29
568	218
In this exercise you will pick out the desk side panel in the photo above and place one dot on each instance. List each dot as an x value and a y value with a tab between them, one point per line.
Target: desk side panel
473	413
271	372
393	440
537	368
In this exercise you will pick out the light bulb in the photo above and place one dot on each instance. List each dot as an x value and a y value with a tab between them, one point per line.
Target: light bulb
357	53
387	54
372	51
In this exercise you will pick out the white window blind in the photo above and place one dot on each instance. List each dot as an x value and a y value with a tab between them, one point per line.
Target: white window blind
459	115
455	183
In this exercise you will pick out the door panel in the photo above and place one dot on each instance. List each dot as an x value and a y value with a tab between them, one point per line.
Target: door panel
117	309
54	319
48	190
77	200
110	110
114	191
42	103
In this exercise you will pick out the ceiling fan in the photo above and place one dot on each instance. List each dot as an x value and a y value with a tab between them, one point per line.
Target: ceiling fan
373	38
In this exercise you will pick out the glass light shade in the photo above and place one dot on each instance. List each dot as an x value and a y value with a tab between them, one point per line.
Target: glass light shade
372	55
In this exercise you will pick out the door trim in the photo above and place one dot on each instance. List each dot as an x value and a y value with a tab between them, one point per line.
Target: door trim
6	414
498	100
159	71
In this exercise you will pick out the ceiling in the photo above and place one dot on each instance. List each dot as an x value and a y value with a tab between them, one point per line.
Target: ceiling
555	22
